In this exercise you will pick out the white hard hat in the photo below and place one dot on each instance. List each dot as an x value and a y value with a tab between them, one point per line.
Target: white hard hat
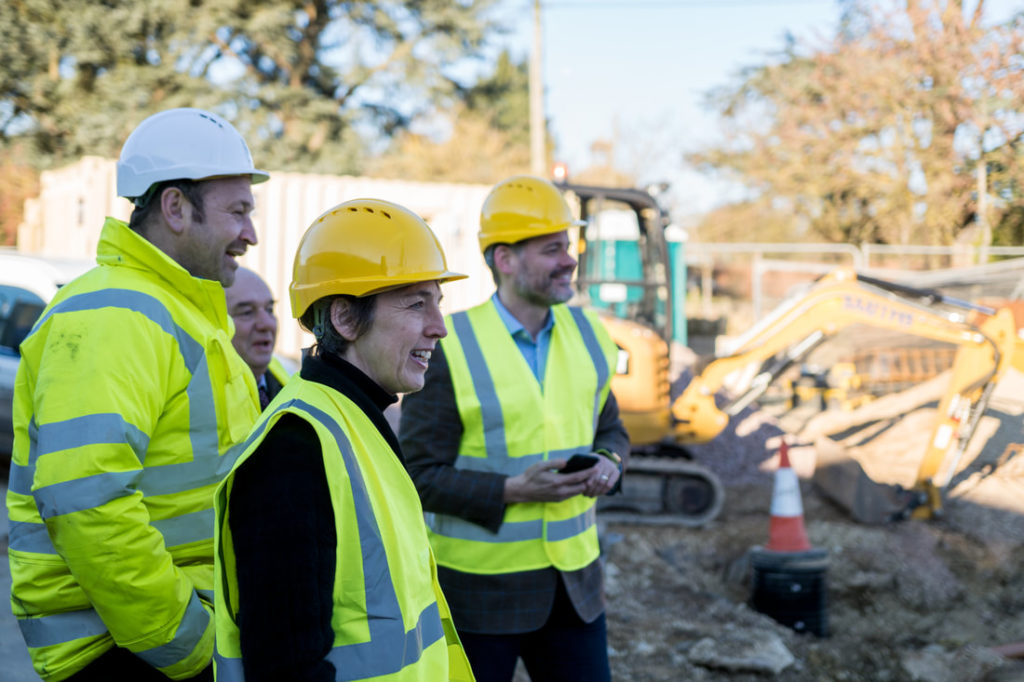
182	144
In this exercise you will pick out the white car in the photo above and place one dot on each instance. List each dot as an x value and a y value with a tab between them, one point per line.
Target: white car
27	283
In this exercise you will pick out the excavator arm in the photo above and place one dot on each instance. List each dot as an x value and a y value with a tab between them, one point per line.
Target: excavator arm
837	301
976	371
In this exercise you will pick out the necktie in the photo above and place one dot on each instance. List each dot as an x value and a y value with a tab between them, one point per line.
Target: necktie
264	396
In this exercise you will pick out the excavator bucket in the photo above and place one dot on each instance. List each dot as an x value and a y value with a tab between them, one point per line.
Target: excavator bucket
842	479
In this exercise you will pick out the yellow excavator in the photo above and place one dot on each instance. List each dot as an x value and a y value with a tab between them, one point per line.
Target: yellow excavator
665	484
986	342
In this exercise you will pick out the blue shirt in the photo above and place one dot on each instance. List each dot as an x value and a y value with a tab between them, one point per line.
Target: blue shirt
535	352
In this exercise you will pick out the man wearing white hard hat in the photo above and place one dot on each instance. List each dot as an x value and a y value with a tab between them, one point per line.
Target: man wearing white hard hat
130	406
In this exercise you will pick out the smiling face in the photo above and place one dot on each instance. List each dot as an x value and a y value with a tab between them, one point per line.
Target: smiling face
251	306
543	270
209	247
407	324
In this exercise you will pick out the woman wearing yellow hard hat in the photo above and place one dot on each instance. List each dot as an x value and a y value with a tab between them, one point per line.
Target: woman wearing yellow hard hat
324	570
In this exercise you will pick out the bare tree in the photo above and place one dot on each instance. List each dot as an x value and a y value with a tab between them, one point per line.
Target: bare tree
888	132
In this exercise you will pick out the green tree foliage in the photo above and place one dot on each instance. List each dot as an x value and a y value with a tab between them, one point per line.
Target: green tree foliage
503	98
879	135
308	82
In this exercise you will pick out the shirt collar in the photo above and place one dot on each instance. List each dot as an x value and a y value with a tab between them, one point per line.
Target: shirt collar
514	326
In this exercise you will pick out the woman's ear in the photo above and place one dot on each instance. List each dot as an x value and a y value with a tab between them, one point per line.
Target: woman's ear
341	318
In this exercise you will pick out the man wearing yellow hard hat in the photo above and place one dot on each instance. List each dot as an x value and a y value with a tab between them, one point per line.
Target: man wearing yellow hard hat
516	395
324	570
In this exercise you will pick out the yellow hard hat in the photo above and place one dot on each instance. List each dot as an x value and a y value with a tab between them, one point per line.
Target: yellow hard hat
522	207
362	247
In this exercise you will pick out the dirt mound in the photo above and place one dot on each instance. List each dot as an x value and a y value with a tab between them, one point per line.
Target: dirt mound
913	601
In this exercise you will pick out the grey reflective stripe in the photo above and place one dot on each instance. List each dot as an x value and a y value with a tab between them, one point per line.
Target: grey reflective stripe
596	355
513	465
190	632
20	478
136	301
483	385
370	659
202	415
505	465
61	627
84	493
181	530
172	478
32	537
510	531
90	429
388	637
25	536
227	669
570	528
205	594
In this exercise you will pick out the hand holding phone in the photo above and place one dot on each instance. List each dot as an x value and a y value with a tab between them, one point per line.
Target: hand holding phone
578	463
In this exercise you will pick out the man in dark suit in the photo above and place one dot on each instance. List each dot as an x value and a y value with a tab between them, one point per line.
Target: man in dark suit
251	306
519	386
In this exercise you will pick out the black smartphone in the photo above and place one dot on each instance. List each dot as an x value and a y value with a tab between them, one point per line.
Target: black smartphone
578	463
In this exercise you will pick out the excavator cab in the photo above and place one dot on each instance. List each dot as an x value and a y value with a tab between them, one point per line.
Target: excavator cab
626	273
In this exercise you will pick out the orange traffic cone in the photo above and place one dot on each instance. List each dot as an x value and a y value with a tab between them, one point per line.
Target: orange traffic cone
787	533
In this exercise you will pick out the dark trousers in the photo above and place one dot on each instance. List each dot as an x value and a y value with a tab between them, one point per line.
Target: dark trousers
565	650
121	664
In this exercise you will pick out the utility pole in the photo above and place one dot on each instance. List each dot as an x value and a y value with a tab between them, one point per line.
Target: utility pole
982	217
537	133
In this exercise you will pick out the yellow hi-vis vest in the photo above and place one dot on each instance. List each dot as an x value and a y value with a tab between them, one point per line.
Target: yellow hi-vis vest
130	406
391	621
511	421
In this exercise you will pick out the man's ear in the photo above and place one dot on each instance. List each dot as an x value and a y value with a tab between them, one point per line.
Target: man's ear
341	318
505	259
176	209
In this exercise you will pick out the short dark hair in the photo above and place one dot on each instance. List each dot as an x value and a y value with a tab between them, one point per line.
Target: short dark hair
149	203
328	340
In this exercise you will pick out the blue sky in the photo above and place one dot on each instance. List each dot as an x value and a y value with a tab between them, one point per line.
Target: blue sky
636	70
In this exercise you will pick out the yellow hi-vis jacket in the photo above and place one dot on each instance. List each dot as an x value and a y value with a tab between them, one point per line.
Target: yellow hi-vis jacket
130	406
278	370
510	421
391	621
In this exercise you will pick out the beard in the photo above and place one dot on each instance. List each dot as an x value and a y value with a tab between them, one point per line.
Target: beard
542	290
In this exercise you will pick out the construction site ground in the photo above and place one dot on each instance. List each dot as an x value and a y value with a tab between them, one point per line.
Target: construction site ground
909	600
